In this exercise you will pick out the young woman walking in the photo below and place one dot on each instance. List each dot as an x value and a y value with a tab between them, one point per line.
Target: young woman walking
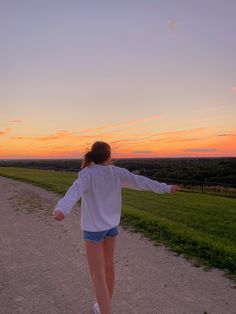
99	187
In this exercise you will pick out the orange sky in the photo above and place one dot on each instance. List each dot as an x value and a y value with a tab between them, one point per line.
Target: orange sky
131	138
153	80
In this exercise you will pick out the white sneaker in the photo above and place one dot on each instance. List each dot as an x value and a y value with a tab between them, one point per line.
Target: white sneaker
96	309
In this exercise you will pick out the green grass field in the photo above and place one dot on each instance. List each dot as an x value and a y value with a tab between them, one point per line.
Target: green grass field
202	227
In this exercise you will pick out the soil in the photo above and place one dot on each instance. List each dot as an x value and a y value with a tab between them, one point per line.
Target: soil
43	266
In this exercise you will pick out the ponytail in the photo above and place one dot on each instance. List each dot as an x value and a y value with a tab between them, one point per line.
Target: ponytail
99	153
87	160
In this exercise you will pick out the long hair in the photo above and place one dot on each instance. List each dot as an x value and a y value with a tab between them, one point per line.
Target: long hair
99	153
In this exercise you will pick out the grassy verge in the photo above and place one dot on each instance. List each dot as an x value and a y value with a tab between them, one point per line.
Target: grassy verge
199	226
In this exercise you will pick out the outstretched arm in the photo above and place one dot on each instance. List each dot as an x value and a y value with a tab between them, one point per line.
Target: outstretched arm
142	183
71	197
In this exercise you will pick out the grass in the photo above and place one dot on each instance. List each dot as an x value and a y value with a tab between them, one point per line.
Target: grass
200	226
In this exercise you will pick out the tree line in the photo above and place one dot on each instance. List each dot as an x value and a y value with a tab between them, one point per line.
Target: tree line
203	170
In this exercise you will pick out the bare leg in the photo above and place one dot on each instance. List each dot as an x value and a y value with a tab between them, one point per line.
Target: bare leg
95	259
108	251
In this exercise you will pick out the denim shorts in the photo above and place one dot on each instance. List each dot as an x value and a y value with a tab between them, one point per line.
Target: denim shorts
98	236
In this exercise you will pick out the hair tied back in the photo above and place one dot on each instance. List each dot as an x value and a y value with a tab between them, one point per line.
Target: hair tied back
90	155
100	152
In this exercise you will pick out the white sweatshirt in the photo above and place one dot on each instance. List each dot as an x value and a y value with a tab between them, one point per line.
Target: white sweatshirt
99	188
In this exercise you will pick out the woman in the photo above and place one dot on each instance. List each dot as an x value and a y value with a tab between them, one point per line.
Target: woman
99	187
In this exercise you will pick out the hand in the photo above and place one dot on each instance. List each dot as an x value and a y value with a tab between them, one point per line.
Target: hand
58	215
174	189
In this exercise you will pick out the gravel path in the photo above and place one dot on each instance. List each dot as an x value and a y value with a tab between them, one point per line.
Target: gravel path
43	267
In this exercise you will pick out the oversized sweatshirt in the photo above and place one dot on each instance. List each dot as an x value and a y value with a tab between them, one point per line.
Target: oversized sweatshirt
99	188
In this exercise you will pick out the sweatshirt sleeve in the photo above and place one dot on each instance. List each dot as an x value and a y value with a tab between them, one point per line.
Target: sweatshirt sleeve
141	183
73	194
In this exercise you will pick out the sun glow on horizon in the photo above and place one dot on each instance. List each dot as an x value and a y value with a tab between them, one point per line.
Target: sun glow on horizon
130	139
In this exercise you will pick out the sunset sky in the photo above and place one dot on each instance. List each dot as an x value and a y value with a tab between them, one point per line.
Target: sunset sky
151	78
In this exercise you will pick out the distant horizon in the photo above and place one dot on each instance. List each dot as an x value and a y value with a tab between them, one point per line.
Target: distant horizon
80	158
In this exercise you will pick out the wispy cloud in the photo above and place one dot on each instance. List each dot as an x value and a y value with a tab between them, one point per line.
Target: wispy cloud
20	137
16	121
200	150
5	131
130	138
94	133
109	133
227	134
180	140
212	108
213	118
233	89
62	134
122	124
136	142
184	132
142	152
58	136
179	136
172	25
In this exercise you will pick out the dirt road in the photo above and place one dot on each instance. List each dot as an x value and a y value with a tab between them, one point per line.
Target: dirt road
43	267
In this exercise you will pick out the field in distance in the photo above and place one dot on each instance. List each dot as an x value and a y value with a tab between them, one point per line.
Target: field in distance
200	226
208	175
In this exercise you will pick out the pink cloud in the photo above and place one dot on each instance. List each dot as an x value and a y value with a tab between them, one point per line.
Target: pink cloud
227	134
172	25
5	131
174	140
122	124
19	137
180	136
233	89
17	121
200	150
59	135
183	132
142	152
